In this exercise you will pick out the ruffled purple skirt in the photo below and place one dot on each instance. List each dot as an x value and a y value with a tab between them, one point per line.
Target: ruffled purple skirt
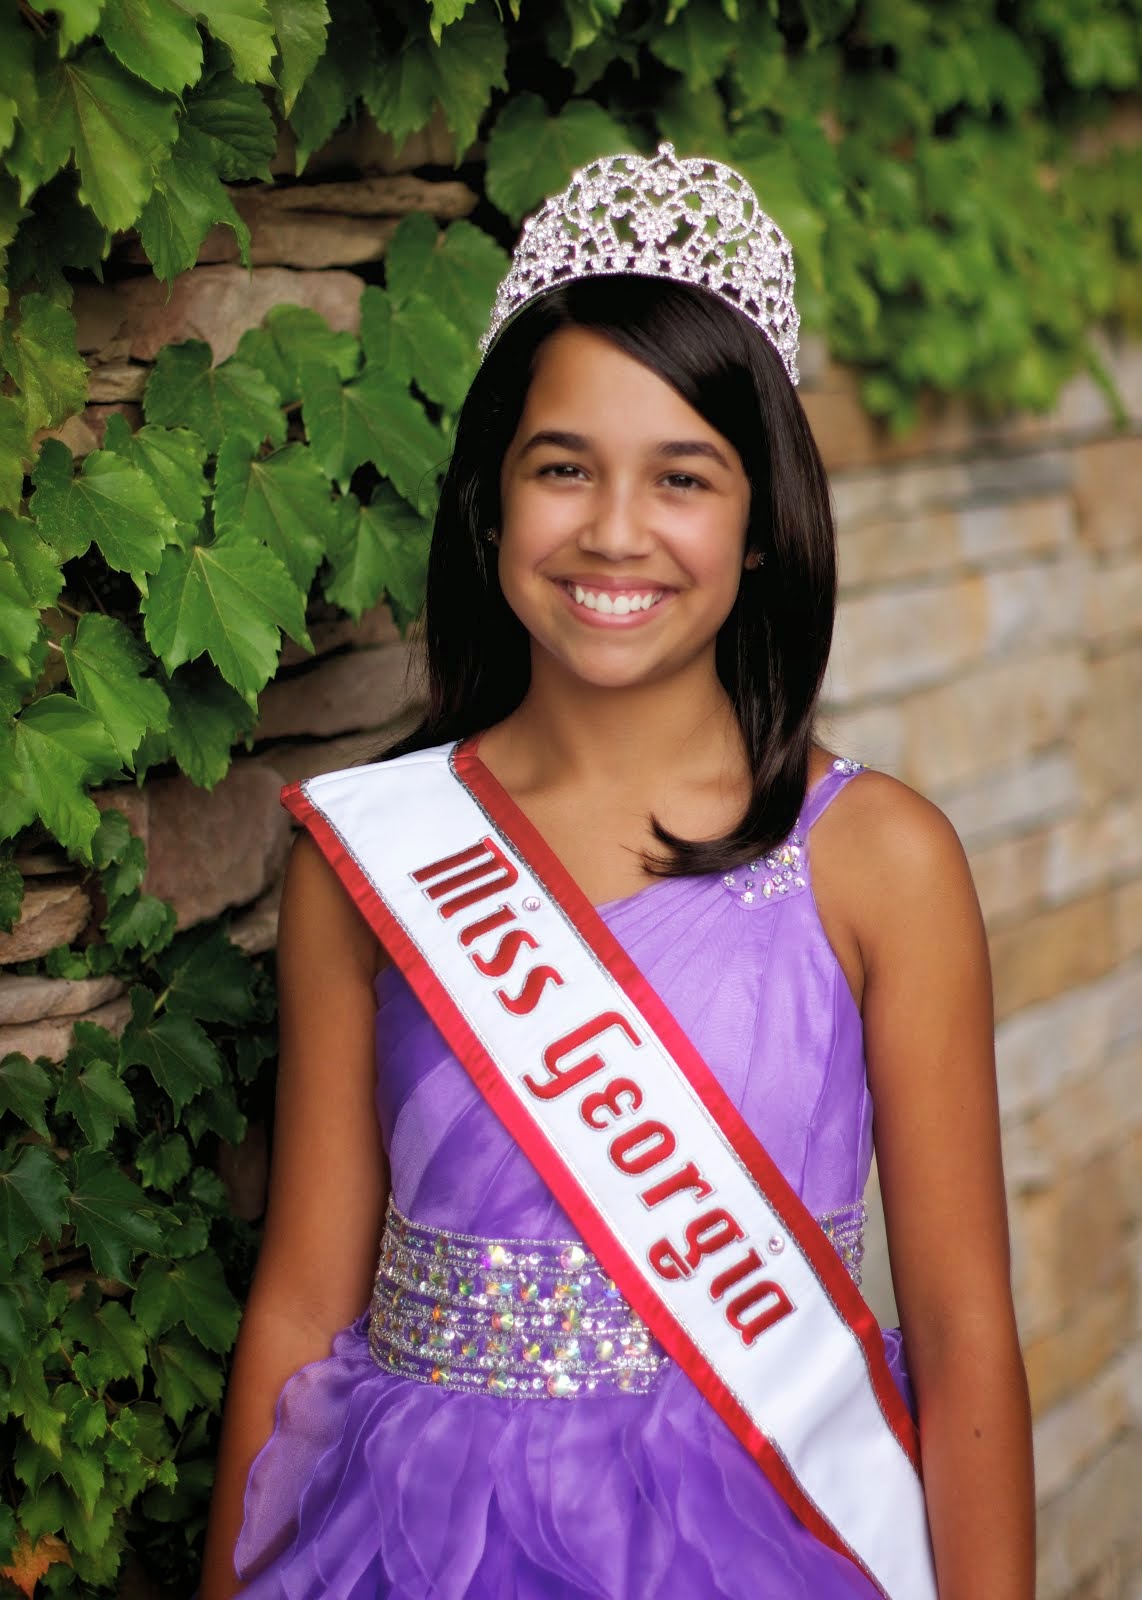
374	1485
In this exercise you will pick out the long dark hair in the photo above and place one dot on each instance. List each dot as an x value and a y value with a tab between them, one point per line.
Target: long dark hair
772	649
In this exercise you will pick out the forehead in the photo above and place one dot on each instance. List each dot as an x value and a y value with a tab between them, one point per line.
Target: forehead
586	384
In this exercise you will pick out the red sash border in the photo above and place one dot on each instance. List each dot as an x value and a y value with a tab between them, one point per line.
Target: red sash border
506	816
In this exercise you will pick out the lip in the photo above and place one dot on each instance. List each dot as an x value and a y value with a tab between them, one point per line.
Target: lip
598	619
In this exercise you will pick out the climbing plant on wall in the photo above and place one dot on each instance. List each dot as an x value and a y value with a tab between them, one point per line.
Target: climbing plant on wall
964	216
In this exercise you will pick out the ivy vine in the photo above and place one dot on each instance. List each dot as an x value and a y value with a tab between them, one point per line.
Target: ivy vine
962	206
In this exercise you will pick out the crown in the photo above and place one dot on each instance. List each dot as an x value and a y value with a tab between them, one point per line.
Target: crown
695	221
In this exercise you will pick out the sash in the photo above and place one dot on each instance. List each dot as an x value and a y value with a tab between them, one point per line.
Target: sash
668	1186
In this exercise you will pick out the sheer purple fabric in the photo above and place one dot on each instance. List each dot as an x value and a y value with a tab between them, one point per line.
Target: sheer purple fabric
375	1485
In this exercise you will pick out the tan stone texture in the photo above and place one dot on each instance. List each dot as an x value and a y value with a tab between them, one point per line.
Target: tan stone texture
990	718
30	999
51	914
1108	492
362	689
1080	1528
880	552
136	319
1063	1361
1113	601
52	1037
1108	736
1056	950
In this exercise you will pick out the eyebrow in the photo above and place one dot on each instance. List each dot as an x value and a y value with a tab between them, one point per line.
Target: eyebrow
671	448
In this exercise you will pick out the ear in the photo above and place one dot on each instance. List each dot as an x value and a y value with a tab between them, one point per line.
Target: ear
753	560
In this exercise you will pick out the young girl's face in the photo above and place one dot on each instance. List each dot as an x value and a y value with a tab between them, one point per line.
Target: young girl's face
624	517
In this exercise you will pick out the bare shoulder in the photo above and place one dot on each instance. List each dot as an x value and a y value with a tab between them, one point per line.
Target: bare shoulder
319	916
887	862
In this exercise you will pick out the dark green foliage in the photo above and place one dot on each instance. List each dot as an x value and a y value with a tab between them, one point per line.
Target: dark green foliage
948	235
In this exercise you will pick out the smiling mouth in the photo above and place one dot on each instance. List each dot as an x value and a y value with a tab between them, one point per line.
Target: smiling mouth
613	602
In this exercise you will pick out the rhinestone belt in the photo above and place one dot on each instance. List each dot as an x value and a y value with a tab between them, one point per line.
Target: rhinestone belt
527	1318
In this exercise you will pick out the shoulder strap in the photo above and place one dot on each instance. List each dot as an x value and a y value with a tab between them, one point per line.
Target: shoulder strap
826	789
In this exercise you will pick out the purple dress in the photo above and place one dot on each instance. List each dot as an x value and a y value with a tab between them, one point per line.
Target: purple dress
381	1483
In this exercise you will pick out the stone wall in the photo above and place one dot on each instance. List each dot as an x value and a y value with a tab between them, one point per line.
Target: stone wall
989	652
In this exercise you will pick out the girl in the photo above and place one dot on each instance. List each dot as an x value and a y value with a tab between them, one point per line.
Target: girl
625	959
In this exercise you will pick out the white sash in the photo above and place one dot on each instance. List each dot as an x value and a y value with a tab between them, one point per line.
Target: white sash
594	1079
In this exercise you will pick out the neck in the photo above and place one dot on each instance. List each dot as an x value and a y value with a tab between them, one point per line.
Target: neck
623	738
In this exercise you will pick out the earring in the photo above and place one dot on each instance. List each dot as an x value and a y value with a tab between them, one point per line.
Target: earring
753	560
491	536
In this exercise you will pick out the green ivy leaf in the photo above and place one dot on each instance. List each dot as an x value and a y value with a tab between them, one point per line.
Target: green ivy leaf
231	599
460	72
172	458
111	1215
192	1293
11	895
24	1091
155	40
112	838
98	1099
177	1053
213	983
227	401
28	1397
14	436
188	199
445	12
60	746
120	131
35	563
106	668
300	26
374	419
186	1377
461	274
413	339
531	155
163	1161
236	121
327	96
379	548
283	499
207	718
140	920
292	337
78	19
19	619
86	1422
110	501
13	1334
244	27
124	875
39	353
33	1198
83	1473
117	1343
698	44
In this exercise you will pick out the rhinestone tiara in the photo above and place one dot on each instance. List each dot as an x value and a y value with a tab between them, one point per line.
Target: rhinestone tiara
694	220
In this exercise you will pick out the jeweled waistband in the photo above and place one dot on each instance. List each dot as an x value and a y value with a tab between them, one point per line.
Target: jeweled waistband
526	1318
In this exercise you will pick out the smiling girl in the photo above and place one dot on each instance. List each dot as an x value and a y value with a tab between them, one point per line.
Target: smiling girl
589	993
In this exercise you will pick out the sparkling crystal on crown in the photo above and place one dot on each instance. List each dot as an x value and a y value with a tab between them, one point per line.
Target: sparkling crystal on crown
692	220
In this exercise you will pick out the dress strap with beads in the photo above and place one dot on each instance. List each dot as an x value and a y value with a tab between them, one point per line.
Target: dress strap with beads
670	1188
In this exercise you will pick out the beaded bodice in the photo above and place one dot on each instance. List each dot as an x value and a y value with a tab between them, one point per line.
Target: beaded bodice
750	976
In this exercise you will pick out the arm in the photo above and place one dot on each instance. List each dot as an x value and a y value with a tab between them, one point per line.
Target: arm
905	891
328	1184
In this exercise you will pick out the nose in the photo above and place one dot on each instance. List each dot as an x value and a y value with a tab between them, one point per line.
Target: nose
615	528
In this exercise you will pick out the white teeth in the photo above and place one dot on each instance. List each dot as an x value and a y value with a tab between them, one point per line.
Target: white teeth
618	605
